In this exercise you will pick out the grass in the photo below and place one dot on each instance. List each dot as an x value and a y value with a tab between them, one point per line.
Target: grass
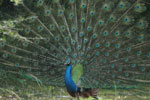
31	92
11	89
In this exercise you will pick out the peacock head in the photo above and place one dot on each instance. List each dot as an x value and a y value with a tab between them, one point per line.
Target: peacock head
67	62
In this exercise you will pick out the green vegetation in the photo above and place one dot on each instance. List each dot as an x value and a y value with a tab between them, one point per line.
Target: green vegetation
31	92
23	89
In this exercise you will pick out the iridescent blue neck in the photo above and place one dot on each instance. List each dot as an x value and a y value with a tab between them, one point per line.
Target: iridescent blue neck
70	85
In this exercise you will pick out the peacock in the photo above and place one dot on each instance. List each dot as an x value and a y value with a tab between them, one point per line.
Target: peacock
83	45
72	82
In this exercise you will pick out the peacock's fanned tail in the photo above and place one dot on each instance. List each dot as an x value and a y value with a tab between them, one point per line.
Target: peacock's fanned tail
110	38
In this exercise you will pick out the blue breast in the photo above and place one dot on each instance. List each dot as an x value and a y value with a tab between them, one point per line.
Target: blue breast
70	85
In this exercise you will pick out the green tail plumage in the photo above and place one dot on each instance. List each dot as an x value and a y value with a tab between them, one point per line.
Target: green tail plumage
108	40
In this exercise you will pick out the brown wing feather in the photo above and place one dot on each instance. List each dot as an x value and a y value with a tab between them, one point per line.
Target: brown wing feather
85	93
72	94
89	92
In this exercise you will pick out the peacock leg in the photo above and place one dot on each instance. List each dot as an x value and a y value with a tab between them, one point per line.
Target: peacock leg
77	95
